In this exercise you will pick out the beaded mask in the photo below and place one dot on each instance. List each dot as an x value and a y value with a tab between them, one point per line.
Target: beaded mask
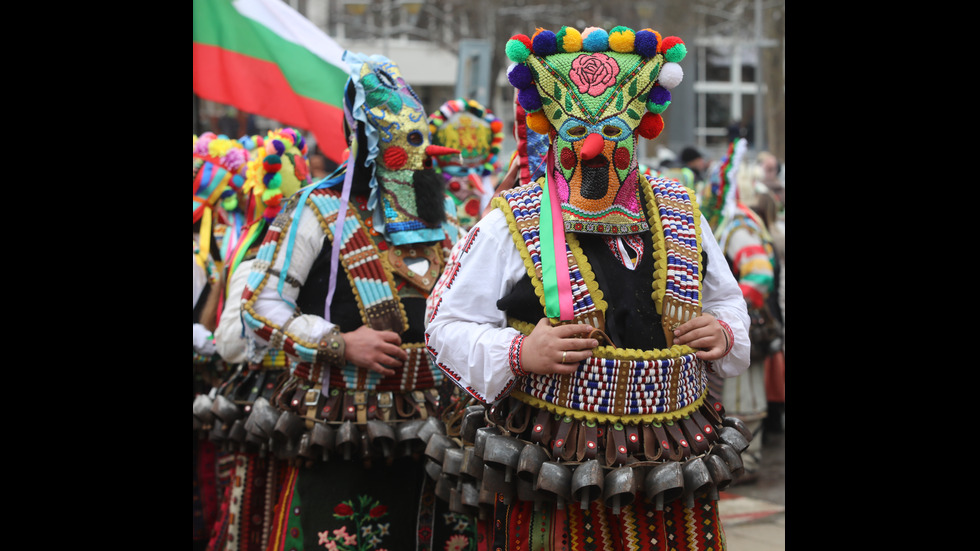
398	151
594	93
477	133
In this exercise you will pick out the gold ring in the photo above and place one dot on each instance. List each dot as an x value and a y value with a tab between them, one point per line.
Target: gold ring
563	355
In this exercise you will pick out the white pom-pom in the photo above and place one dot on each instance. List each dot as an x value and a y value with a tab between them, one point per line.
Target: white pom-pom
671	75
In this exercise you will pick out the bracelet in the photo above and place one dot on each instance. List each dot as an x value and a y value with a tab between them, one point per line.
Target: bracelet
514	356
331	348
729	337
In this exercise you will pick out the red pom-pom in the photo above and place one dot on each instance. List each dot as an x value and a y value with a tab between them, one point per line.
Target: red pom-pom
651	126
496	125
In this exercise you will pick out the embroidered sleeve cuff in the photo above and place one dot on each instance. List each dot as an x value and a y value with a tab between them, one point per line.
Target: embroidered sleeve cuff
729	337
514	356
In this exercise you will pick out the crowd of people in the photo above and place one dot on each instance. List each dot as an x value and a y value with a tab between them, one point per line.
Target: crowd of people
440	346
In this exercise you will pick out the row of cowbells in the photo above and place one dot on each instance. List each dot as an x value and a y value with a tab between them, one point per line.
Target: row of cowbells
260	427
470	476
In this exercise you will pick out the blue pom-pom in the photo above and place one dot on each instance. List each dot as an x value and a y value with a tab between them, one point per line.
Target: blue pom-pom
645	43
544	43
529	99
659	95
520	76
596	41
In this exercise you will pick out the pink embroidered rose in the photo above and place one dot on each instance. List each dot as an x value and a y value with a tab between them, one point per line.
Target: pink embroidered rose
593	73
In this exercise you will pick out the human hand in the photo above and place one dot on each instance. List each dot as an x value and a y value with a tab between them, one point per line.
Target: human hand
375	350
705	335
556	349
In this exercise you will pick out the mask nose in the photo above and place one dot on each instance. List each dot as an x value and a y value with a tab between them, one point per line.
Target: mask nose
436	150
592	146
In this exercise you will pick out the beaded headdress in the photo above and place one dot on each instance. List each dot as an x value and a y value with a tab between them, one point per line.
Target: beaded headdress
218	166
477	133
594	93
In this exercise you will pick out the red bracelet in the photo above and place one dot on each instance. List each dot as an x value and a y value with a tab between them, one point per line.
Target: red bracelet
514	356
729	336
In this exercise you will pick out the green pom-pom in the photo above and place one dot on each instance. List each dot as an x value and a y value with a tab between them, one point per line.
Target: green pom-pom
275	181
517	51
269	194
230	203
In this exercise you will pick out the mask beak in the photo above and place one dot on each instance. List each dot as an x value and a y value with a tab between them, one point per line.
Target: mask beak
437	150
592	146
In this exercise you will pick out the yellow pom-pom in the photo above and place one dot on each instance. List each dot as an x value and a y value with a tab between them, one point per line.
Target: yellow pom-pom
572	40
621	41
538	122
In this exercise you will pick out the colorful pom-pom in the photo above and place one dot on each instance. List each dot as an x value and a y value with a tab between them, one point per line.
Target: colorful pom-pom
595	39
538	122
671	75
272	163
544	44
569	40
275	181
529	99
230	203
621	39
651	125
279	146
673	49
659	95
645	43
518	48
520	76
271	197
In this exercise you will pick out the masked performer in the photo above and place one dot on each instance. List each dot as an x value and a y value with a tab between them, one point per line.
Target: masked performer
751	257
218	163
471	175
251	466
585	311
339	284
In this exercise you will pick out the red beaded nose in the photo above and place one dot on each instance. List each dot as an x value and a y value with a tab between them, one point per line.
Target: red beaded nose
592	146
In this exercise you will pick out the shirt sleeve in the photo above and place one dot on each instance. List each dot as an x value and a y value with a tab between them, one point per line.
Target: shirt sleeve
230	338
466	332
266	308
722	298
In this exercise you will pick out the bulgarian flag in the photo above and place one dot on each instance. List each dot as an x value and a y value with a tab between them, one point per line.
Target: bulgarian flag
263	57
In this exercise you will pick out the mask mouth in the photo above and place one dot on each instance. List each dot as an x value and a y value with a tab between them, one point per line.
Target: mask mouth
595	177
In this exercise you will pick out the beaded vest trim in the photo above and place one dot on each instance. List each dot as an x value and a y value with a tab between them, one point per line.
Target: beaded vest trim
621	384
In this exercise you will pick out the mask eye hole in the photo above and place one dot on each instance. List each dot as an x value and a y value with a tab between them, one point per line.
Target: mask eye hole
577	131
611	131
415	138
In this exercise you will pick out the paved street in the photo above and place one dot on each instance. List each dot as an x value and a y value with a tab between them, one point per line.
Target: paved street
754	514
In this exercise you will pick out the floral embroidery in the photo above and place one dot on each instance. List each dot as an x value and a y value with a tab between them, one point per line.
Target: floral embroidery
464	537
364	515
593	74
